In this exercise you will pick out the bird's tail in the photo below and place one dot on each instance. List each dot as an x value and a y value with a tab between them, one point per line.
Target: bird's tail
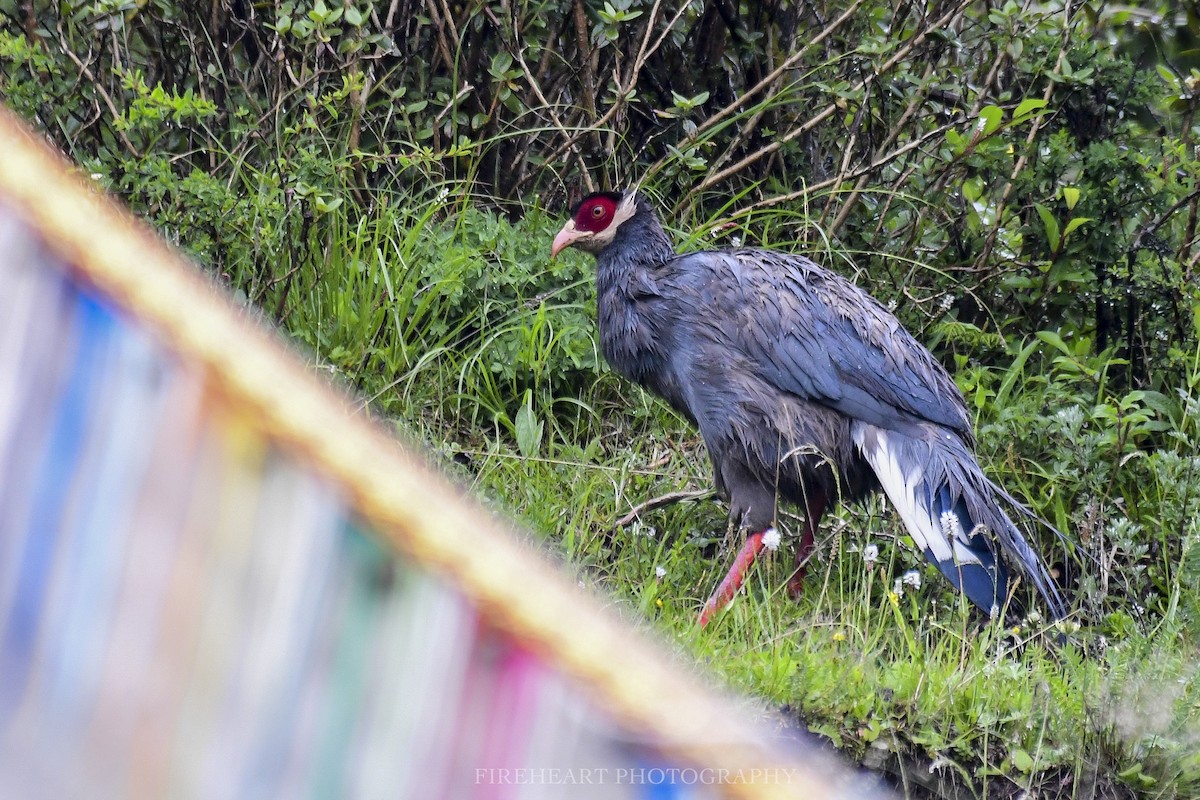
955	514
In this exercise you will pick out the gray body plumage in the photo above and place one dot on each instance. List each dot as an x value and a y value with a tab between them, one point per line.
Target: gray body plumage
804	386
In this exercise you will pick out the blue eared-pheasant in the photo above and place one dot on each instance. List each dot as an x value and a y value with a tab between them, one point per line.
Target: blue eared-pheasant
805	389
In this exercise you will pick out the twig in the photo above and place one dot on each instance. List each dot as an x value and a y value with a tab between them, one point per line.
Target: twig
626	86
519	52
588	84
448	16
829	110
986	251
790	62
872	167
848	204
670	498
87	73
1149	230
847	154
442	44
463	92
740	102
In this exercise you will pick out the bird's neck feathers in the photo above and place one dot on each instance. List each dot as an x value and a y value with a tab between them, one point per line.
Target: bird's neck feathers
628	295
639	240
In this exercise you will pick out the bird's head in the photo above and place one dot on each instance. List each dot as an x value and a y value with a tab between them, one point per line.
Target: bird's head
594	221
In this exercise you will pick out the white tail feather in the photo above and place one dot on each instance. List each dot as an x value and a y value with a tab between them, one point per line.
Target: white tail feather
943	538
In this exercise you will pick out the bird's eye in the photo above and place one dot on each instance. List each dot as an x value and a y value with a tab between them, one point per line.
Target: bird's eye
597	211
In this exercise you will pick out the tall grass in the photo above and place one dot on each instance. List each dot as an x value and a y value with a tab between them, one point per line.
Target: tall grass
453	322
904	677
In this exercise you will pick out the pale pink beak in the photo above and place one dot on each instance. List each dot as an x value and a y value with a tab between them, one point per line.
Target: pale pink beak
565	238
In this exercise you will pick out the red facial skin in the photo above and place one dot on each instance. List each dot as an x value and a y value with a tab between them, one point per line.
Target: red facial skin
592	216
595	213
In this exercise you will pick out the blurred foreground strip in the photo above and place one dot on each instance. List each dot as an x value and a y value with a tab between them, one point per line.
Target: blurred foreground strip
216	582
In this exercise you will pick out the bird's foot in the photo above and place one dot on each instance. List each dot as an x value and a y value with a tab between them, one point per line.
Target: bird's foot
795	584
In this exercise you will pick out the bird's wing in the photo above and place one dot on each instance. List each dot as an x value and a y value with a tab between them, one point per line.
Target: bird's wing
814	334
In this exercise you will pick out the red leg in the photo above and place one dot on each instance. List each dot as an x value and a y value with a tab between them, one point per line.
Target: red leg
814	509
734	578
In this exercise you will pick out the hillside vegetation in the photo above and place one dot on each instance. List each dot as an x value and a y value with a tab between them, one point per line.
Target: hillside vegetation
1019	181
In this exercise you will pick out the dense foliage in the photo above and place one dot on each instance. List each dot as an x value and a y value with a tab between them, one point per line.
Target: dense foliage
1018	180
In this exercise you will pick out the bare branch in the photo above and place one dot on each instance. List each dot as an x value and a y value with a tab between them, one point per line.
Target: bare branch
662	501
829	110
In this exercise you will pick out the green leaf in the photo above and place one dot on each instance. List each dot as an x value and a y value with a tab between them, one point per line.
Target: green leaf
1054	340
990	118
1015	372
972	188
1021	760
1072	224
1026	108
1065	272
1071	196
325	206
500	63
1051	226
829	730
528	428
1135	777
955	141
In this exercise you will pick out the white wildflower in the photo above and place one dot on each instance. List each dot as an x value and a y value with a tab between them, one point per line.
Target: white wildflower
736	241
947	301
771	539
950	525
660	572
898	587
912	578
870	555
